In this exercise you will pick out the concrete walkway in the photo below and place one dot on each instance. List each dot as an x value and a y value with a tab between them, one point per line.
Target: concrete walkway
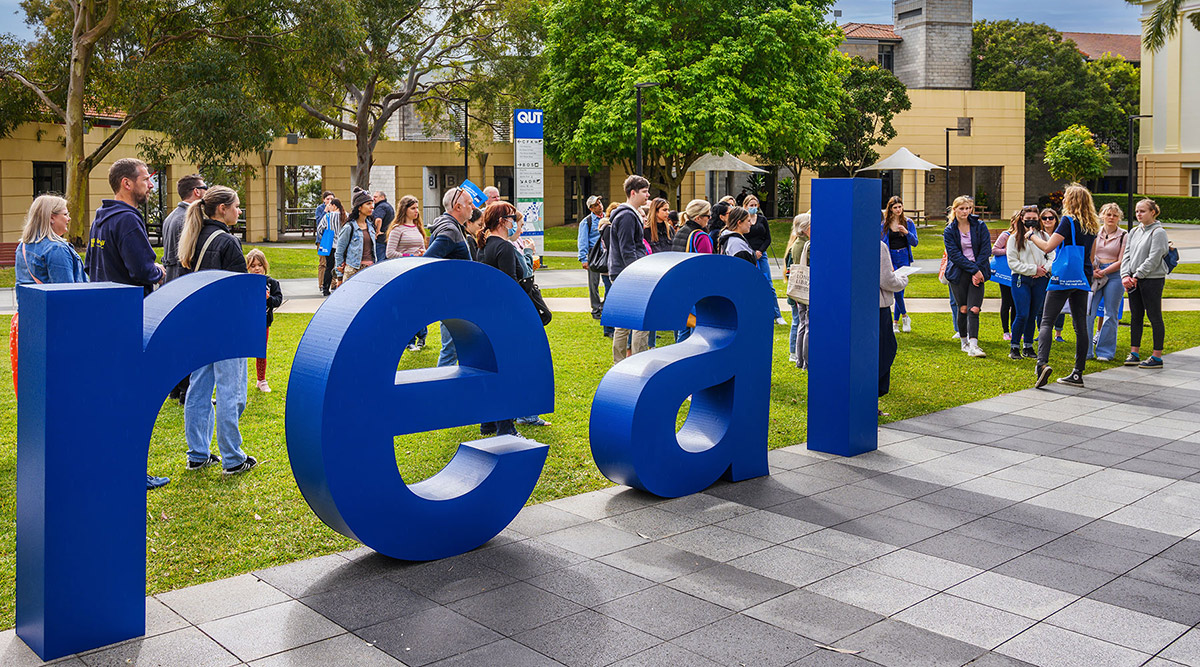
1057	527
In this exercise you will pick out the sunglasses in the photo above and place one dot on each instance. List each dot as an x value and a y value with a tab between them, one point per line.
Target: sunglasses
1049	217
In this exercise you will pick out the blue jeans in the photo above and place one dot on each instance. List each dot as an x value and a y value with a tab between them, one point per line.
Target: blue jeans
764	265
448	355
1113	296
792	333
953	311
1029	297
380	251
228	377
420	337
502	427
900	307
682	334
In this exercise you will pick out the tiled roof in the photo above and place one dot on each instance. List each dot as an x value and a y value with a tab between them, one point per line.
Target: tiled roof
1093	45
869	31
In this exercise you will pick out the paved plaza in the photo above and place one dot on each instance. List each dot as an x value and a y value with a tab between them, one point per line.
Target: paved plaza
1044	527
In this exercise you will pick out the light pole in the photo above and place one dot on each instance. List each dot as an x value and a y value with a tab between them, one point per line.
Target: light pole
638	88
466	139
948	131
1130	172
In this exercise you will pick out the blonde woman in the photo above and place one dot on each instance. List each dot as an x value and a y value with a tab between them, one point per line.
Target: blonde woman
43	256
1077	229
968	248
1106	283
798	336
207	245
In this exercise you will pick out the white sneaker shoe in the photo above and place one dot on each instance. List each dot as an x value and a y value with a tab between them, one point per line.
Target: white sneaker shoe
962	342
263	386
895	327
792	358
954	336
780	321
906	324
973	350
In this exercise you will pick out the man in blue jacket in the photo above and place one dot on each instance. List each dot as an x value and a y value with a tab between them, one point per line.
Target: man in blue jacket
588	237
448	240
119	250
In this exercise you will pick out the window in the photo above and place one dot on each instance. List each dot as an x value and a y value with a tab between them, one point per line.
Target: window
49	177
1196	182
886	57
910	14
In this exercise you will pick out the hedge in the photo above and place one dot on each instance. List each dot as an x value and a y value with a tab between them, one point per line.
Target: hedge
1173	208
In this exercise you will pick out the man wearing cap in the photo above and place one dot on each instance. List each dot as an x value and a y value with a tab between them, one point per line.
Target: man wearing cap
448	240
589	236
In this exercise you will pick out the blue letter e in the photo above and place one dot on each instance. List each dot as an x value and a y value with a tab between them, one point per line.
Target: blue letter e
346	403
725	366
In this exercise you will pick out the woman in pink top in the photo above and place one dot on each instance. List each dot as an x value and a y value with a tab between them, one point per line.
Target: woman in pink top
406	236
1107	289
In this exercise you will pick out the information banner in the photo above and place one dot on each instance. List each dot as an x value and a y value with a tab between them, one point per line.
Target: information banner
529	163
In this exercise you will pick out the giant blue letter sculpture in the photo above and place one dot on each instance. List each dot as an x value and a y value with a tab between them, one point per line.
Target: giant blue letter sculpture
843	391
96	362
346	466
725	366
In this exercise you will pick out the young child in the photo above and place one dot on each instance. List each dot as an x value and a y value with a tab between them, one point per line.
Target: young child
256	262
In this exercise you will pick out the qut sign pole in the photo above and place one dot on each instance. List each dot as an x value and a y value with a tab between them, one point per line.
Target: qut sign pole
81	520
529	166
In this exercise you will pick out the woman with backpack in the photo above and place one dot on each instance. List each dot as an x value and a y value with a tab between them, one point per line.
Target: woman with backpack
900	235
1144	272
1107	254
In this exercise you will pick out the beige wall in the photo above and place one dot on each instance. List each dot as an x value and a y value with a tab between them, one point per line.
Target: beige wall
1170	141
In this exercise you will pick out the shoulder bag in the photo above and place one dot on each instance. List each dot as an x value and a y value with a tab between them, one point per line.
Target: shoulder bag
798	278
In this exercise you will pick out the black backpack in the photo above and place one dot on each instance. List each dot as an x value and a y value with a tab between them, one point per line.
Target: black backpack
598	255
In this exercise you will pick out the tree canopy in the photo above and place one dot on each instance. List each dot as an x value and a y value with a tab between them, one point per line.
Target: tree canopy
1074	156
1060	88
734	76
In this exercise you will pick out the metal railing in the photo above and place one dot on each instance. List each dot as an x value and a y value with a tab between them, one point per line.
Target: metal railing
297	221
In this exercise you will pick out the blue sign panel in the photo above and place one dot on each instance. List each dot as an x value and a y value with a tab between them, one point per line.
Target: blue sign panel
527	124
81	519
725	366
346	402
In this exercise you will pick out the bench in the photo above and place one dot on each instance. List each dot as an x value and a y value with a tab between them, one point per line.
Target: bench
8	254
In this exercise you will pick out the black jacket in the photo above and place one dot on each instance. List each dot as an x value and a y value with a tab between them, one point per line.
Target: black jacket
275	299
224	253
499	253
664	239
759	236
625	240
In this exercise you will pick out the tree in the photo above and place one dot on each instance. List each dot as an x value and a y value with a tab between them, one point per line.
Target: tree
1123	83
1074	156
1060	90
1164	22
407	52
193	70
734	76
871	97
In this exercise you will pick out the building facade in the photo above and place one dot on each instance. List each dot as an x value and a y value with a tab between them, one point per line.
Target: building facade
1169	155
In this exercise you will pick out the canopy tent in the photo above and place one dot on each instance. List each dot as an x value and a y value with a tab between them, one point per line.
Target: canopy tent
904	160
723	162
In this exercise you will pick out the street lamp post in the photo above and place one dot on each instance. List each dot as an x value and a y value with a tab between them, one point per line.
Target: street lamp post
1131	182
638	89
948	131
466	139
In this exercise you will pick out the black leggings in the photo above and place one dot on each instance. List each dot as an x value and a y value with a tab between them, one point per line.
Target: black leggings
967	295
1008	312
1147	298
1055	300
887	350
327	279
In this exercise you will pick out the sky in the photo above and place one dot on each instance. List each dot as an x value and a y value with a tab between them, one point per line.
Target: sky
1068	15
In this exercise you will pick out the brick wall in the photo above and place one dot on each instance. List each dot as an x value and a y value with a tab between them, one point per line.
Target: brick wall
936	46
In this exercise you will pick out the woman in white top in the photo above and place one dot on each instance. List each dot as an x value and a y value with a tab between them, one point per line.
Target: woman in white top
1030	267
889	285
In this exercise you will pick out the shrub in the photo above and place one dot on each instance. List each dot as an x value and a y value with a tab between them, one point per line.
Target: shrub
1173	208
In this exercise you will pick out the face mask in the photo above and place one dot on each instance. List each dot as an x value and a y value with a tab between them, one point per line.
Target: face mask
753	210
512	231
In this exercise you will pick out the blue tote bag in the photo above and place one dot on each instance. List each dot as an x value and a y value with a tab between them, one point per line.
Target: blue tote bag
1067	272
1001	273
325	247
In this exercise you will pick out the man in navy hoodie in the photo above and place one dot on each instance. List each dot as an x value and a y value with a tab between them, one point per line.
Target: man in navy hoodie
448	240
119	250
625	247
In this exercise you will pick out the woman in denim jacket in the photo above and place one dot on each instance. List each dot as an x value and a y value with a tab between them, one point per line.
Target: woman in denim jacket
44	256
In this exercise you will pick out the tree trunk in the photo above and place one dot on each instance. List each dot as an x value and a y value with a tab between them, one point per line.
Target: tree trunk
79	166
363	157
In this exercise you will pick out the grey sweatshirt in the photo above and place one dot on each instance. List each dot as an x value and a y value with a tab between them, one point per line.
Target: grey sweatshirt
889	282
1144	252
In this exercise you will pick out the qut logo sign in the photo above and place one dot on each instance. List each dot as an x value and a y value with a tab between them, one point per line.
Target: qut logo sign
529	117
81	520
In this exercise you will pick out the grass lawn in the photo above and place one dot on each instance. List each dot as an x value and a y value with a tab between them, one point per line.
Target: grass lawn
204	526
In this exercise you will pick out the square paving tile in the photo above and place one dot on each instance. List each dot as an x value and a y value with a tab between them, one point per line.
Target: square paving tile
1185	650
922	569
367	603
587	639
259	633
541	519
743	640
652	523
324	573
159	619
427	636
451	579
526	558
769	526
1055	647
897	644
761	492
590	583
1015	535
888	530
340	650
1170	573
843	547
929	514
730	587
871	591
666	655
719	544
592	539
789	565
503	652
188	646
663	612
515	608
1054	573
225	597
1121	626
658	561
1075	549
705	508
1153	599
964	620
1126	537
966	550
823	619
1013	595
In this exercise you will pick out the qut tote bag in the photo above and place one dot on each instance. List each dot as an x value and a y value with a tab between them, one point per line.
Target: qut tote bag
1067	271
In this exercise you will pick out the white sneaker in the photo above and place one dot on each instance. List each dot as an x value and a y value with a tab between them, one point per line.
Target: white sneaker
962	342
263	386
973	350
792	358
906	324
954	336
895	327
780	321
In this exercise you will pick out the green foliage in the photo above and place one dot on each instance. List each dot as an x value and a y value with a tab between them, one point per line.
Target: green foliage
786	189
1173	208
1164	22
735	76
1074	156
1060	88
1123	83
